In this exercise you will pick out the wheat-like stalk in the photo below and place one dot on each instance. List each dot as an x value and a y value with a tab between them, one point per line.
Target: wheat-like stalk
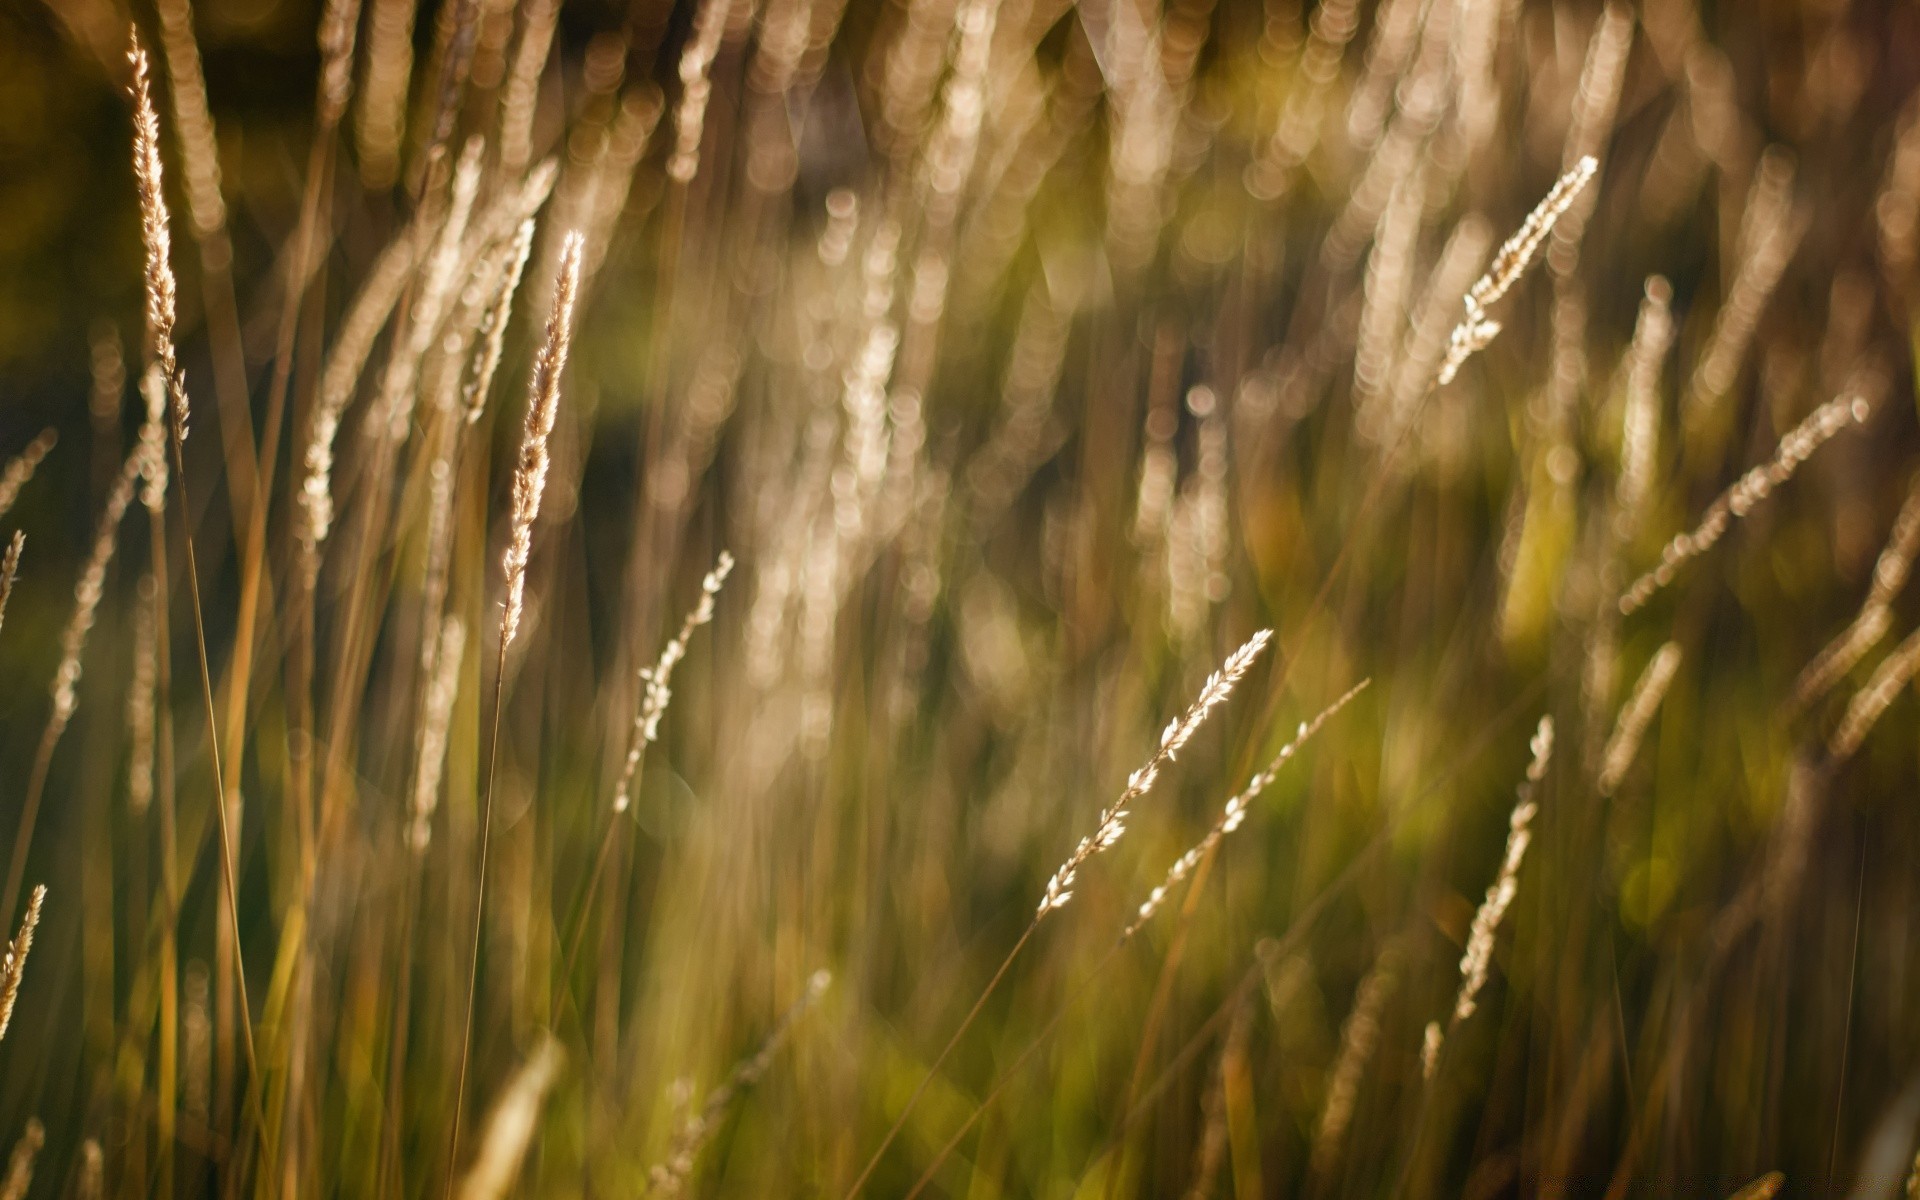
436	716
696	87
1112	823
1756	485
493	325
543	406
1635	715
1477	330
87	594
1887	682
1359	1035
92	1181
9	568
1235	810
657	681
20	471
161	287
1890	573
1640	422
14	968
347	358
1478	959
669	1176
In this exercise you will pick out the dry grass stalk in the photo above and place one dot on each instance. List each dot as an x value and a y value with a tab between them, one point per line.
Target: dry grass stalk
150	448
1475	332
10	568
87	593
436	717
1871	701
1234	813
365	318
383	92
20	1165
493	326
1769	233
1890	573
1112	823
1478	958
1635	715
92	1181
14	968
161	287
1426	343
198	149
523	85
339	27
1297	131
1359	1036
1640	423
669	1176
657	681
1486	922
1756	485
696	87
1596	102
20	471
543	405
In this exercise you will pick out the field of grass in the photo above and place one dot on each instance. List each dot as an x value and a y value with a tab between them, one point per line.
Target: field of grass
974	598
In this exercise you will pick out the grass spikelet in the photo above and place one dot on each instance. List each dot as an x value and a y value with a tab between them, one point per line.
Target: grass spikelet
1871	701
1769	234
92	1181
657	681
198	151
9	568
1635	715
161	287
1477	330
1640	423
383	91
1890	573
20	471
669	1176
1234	813
1112	823
1756	485
696	87
339	28
1359	1036
88	591
543	405
14	968
493	326
1478	959
510	1126
20	1165
364	320
435	718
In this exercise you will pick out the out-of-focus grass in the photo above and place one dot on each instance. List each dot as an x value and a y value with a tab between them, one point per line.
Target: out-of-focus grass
1018	352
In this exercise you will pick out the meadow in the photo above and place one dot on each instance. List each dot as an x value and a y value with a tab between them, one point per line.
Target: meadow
974	598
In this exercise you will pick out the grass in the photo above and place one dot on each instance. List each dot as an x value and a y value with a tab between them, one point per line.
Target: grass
668	528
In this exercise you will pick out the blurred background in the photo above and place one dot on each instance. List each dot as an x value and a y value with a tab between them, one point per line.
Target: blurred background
1027	357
